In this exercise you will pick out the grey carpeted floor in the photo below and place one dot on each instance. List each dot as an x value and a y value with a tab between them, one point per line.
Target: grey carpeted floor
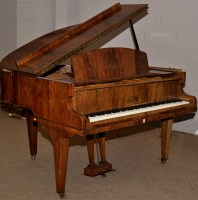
139	174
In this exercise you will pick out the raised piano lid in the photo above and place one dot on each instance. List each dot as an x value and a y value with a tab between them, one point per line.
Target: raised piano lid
46	52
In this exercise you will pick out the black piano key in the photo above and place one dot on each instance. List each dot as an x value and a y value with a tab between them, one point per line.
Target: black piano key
133	107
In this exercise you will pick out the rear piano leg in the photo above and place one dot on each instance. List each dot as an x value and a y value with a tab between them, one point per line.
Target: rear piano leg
103	165
32	126
166	132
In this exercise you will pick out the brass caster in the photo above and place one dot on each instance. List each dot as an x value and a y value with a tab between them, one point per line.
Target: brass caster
163	160
33	157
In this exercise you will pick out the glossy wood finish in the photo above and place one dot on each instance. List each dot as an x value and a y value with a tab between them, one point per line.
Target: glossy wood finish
43	54
61	150
108	64
101	141
126	93
80	29
90	149
99	80
60	106
166	132
32	126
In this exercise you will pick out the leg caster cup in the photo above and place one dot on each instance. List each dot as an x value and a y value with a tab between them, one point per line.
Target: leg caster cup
33	157
163	160
62	195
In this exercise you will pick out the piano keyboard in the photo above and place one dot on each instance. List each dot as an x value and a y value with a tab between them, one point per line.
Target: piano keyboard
94	117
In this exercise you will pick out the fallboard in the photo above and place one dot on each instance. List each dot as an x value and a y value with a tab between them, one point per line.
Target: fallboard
92	99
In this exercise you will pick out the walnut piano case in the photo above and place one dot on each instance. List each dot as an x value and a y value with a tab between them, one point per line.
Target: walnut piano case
69	86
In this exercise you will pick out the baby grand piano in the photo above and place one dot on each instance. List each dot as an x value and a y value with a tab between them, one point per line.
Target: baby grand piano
70	88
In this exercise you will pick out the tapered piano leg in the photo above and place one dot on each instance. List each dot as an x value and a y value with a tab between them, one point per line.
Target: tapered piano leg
103	166
102	146
102	140
61	150
60	141
166	132
90	149
32	135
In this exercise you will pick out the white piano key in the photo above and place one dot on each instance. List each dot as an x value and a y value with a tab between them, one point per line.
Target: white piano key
135	111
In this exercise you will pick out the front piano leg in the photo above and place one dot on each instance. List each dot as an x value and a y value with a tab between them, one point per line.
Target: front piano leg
166	132
32	134
90	150
61	149
60	141
102	147
103	166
